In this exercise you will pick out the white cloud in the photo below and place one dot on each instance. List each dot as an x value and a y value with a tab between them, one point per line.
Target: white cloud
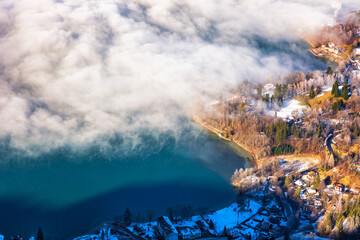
74	71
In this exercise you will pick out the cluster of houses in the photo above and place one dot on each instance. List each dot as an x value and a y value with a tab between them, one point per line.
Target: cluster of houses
308	193
164	228
312	196
259	217
355	61
331	47
267	222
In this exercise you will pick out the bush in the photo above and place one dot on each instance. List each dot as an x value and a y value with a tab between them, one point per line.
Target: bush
337	106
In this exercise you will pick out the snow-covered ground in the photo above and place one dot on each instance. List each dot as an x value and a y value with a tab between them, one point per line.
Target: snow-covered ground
328	89
301	163
233	215
288	108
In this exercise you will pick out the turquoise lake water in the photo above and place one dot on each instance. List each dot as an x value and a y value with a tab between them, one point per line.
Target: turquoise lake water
69	194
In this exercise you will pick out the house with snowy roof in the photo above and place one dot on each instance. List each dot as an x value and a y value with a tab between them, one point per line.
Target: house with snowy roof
166	228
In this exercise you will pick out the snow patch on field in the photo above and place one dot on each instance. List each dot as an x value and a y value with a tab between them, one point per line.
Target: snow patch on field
233	215
288	108
299	163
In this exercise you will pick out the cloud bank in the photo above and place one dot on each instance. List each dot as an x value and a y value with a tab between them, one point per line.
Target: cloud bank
74	72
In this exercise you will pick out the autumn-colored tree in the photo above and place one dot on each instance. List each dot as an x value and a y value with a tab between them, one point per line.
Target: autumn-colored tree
312	92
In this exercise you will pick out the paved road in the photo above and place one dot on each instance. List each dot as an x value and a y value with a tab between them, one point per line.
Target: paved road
328	141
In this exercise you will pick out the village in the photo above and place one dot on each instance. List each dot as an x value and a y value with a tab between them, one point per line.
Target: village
256	216
260	213
291	199
303	131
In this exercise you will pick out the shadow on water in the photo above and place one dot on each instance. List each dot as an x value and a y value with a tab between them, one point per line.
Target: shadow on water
69	193
20	217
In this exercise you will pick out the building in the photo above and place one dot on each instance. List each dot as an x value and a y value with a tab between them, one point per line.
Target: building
300	182
234	232
355	190
138	230
331	45
311	191
317	202
275	210
269	87
357	51
313	174
166	228
187	232
339	187
304	194
184	233
205	228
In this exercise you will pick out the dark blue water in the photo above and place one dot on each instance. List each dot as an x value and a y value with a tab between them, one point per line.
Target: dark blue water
69	193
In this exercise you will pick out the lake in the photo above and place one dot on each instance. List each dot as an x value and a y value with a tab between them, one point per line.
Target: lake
69	193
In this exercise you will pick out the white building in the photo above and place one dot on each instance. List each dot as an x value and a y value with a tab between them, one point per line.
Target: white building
311	191
300	182
317	202
357	51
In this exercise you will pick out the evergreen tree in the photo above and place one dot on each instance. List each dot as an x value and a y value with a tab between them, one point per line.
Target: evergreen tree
297	133
345	92
40	235
329	223
339	221
259	90
170	213
242	107
337	106
312	92
335	89
329	71
102	234
281	132
225	231
127	217
211	225
284	92
355	130
319	129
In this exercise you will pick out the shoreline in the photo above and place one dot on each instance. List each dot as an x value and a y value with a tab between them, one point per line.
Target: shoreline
255	159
